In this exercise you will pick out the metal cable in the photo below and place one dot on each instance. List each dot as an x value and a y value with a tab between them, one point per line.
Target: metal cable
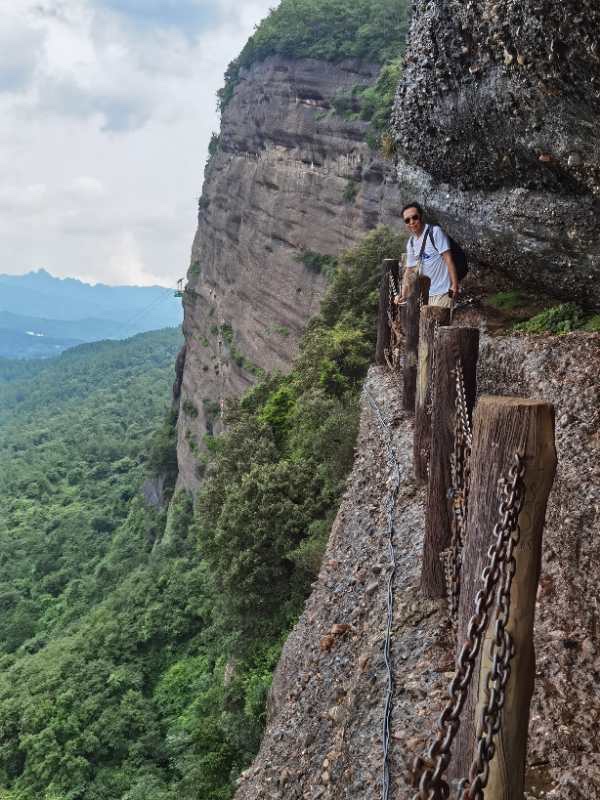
390	508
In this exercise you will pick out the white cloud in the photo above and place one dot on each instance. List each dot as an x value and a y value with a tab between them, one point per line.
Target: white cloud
106	123
85	187
23	199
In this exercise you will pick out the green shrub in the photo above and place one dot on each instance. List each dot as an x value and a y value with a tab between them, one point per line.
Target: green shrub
354	290
162	451
373	104
592	324
309	553
276	411
227	333
189	409
282	330
212	410
507	301
213	145
559	319
351	191
346	104
318	263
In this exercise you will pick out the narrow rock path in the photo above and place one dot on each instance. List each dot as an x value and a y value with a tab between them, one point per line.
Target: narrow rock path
324	737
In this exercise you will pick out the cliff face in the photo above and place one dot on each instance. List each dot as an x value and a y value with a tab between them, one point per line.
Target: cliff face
289	178
496	121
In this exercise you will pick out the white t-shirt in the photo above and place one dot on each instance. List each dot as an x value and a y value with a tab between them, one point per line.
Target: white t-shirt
434	266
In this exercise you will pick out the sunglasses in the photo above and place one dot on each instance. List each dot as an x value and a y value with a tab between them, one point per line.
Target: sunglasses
414	218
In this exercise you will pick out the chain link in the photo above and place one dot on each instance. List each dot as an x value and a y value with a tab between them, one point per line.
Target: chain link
430	768
462	409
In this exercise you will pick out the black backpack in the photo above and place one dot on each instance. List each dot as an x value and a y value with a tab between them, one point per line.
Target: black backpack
460	258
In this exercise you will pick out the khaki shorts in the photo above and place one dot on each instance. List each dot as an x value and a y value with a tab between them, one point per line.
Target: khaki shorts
442	300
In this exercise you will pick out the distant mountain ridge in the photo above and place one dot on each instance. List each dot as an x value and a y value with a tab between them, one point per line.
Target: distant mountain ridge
41	315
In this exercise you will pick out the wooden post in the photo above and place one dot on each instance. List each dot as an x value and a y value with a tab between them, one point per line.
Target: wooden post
438	512
390	265
431	318
503	426
416	289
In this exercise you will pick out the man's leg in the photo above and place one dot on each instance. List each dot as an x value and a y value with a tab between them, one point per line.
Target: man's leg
441	300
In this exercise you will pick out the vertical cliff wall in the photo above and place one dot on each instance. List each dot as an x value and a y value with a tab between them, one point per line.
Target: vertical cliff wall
496	121
289	180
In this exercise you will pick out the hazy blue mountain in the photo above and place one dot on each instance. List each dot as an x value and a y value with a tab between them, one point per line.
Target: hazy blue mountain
41	315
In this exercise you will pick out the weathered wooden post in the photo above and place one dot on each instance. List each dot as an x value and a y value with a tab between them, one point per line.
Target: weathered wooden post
503	427
452	345
416	289
390	267
432	317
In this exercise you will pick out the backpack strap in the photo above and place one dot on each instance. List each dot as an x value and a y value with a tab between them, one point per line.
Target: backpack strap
428	233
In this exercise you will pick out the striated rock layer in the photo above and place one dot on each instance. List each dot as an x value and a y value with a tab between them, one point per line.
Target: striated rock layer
288	176
496	119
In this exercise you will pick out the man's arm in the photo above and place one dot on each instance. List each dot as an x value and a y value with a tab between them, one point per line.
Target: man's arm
447	256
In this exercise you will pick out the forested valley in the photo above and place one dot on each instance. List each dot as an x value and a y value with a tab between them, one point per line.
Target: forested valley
138	642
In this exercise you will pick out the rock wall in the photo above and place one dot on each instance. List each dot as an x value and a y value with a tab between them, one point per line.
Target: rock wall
288	176
496	121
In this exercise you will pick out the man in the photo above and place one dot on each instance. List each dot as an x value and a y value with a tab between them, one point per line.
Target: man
432	258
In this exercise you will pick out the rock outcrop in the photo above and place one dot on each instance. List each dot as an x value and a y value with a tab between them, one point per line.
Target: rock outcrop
289	178
496	121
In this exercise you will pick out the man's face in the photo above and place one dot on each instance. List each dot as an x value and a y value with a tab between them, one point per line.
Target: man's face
413	221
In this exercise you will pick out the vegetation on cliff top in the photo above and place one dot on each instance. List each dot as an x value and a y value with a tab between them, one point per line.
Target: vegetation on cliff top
331	30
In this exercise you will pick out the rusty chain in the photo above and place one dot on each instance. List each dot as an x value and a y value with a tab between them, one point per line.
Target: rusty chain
429	394
430	385
462	409
502	651
460	477
430	768
392	292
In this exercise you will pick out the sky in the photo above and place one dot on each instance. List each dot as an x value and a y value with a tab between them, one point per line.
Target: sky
106	111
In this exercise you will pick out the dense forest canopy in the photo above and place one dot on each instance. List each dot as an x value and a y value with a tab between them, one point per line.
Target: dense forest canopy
137	646
332	30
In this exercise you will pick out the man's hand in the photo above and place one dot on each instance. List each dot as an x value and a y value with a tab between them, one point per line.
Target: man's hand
452	274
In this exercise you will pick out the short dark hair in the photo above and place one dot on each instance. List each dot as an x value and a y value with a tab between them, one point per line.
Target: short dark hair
412	205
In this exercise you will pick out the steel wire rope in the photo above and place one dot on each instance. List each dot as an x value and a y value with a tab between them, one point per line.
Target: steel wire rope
142	312
391	506
125	325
